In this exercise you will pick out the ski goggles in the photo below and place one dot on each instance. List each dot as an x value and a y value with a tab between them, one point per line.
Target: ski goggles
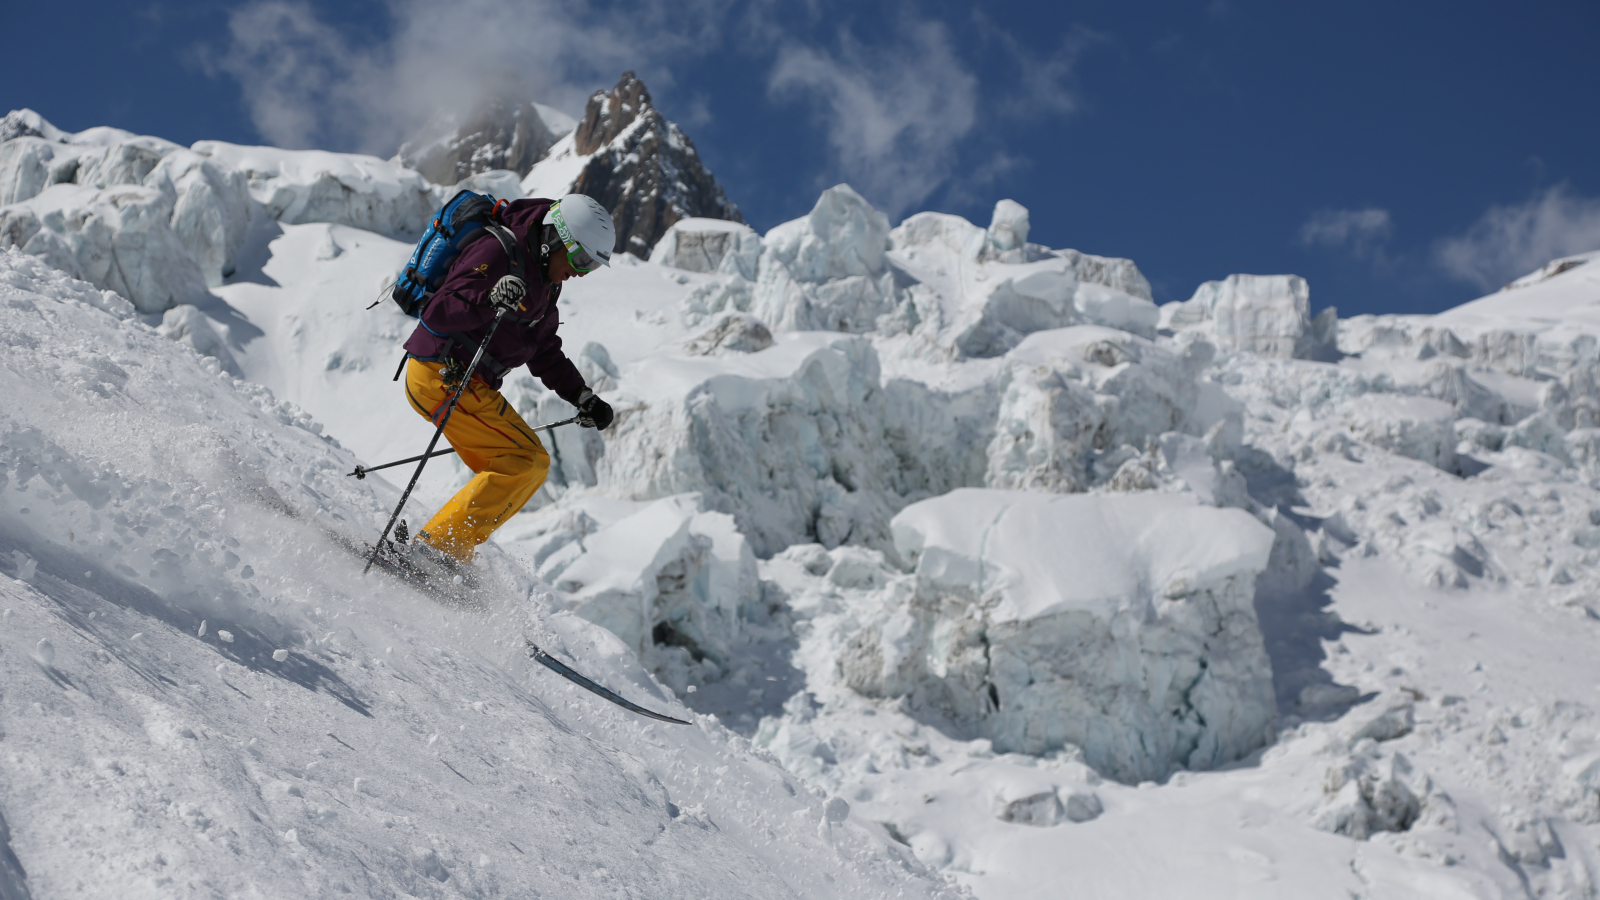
581	261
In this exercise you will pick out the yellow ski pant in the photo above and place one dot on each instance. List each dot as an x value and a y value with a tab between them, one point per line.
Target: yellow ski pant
494	442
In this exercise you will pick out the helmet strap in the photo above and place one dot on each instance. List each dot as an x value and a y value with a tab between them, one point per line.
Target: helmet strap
549	238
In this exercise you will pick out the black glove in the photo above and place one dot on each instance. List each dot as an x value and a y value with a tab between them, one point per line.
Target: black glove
507	293
592	411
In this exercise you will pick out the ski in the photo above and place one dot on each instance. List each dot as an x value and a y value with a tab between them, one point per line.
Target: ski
572	675
412	577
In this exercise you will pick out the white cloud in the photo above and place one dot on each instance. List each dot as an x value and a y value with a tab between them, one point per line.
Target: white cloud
308	84
894	113
1510	241
902	109
1047	84
1361	231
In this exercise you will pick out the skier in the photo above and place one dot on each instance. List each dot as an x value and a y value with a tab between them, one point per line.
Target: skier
561	239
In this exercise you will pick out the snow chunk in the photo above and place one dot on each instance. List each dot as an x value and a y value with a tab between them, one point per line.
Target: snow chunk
1072	392
1265	314
211	209
959	292
827	271
1008	227
793	440
710	245
1121	624
669	574
188	325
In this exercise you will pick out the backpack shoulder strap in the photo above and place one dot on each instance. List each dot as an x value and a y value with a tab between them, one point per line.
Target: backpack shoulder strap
508	243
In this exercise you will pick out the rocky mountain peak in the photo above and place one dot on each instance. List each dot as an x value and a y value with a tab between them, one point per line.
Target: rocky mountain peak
609	112
500	132
643	168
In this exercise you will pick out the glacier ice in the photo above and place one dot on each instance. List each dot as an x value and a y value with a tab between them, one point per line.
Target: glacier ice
829	270
299	186
710	245
1009	226
119	238
1122	625
1268	315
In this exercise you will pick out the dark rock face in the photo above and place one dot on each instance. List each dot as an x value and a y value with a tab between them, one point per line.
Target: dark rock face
499	133
644	170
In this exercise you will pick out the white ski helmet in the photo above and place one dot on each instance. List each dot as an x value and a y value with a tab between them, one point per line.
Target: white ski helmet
584	226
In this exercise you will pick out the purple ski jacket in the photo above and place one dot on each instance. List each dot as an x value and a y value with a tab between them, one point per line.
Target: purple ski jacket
460	307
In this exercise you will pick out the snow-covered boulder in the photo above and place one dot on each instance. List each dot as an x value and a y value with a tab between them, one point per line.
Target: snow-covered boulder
299	186
722	294
1265	314
738	332
1015	308
1045	433
710	245
954	237
1114	308
1111	271
1123	625
827	271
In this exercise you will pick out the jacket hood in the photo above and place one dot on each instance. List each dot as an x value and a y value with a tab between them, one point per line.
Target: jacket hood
523	217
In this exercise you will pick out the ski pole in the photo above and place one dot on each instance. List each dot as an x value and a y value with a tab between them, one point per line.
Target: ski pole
361	471
454	398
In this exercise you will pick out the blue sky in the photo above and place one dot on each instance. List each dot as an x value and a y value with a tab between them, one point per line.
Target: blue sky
1402	156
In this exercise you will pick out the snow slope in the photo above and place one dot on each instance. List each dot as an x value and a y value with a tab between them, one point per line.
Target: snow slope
203	697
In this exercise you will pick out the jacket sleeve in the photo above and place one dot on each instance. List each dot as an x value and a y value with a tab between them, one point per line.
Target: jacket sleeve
551	366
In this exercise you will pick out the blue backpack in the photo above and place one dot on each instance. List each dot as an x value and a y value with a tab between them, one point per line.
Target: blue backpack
458	223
